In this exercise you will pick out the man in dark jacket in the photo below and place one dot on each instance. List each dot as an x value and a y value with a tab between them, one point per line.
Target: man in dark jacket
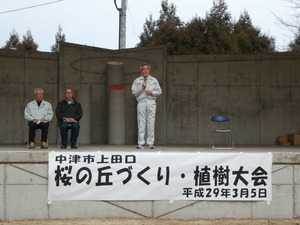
69	113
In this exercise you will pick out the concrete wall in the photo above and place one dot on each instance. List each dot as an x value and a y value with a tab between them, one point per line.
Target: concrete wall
20	73
82	66
261	92
23	195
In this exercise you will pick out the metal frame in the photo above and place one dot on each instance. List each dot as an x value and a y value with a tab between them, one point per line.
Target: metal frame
58	138
215	119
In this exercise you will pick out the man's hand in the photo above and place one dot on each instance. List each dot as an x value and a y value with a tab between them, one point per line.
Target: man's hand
35	120
148	92
70	120
43	120
144	84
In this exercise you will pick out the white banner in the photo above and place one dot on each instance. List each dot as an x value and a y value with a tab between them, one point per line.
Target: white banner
160	176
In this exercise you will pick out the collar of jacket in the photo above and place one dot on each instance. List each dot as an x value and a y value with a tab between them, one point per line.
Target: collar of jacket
148	77
42	102
65	100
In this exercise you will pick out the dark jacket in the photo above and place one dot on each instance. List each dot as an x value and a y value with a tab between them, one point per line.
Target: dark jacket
73	110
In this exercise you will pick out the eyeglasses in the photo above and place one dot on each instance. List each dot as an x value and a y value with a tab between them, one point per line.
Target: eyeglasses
68	92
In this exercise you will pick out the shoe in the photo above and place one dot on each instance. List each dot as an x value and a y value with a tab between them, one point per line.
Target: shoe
44	145
31	145
74	146
63	147
140	146
150	146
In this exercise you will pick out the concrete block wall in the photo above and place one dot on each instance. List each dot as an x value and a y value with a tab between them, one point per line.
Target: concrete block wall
2	193
20	73
82	66
261	92
23	195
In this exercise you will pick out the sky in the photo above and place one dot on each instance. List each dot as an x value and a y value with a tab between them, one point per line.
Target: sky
96	22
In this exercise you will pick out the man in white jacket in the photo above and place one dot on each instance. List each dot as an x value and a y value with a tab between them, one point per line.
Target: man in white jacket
38	112
146	89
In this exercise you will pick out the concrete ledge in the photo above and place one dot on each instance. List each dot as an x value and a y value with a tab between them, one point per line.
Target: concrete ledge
20	154
24	179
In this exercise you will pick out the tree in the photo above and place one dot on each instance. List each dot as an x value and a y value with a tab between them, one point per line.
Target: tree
149	28
294	46
215	34
292	23
249	38
218	29
192	37
13	40
27	43
58	38
164	30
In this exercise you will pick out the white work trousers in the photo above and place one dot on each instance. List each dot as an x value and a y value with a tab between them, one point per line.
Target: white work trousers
146	115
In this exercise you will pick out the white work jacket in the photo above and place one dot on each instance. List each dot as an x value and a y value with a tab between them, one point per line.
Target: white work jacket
140	93
33	111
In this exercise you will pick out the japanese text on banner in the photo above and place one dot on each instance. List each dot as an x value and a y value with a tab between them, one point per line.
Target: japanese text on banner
160	176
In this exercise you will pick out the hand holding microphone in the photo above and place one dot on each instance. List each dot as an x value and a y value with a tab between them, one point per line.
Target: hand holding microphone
148	92
145	82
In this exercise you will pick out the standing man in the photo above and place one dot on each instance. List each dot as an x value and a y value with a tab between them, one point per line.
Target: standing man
146	89
69	112
38	112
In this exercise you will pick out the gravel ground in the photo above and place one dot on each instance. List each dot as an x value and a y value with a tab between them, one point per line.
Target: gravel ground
154	222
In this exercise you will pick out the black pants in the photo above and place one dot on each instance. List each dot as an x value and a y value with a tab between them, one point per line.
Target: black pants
64	127
33	126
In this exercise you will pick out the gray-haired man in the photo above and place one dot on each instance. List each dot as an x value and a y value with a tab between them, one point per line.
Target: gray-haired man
146	89
38	112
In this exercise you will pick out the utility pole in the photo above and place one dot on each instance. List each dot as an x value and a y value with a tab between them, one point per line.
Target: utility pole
122	23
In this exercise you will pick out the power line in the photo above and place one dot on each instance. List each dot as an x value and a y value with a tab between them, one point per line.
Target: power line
29	7
133	25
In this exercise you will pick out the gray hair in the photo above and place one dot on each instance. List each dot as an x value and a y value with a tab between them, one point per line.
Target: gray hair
145	64
36	89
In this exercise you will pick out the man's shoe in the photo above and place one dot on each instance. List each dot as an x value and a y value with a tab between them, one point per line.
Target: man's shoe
74	146
31	145
140	146
150	146
63	147
44	145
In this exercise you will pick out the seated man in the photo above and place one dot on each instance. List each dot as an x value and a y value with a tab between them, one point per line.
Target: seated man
38	112
69	112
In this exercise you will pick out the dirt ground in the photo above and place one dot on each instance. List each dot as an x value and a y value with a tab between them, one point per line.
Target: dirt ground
154	222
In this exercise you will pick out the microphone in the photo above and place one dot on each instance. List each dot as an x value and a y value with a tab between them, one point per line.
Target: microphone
145	82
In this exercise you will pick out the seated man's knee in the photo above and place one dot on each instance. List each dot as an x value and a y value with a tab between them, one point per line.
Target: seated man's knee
75	125
32	124
64	126
45	125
